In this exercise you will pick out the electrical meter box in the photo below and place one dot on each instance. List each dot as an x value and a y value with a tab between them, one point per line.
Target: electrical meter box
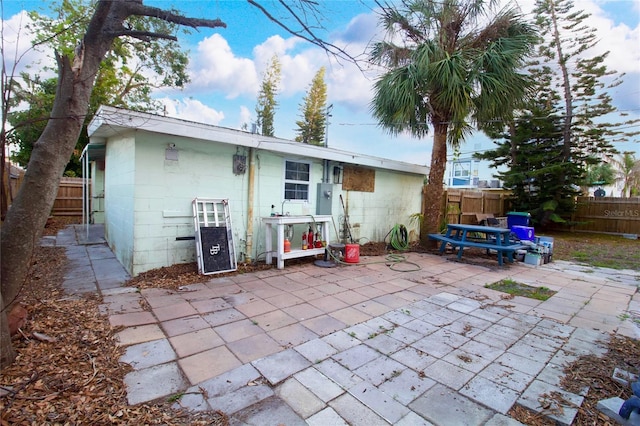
325	199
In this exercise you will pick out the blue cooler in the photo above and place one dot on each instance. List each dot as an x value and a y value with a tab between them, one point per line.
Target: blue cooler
518	219
524	232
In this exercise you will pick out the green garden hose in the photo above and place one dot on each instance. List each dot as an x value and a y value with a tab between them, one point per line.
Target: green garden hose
399	238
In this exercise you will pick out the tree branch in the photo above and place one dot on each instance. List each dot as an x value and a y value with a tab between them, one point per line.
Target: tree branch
306	33
137	8
141	35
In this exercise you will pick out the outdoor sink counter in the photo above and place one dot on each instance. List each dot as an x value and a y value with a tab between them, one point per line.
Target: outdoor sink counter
280	222
498	239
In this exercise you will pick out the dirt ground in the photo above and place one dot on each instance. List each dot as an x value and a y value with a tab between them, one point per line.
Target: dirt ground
67	370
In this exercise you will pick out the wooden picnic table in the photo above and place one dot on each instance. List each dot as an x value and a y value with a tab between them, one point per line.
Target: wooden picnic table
487	237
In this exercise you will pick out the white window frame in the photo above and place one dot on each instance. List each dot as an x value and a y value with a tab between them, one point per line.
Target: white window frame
462	169
296	181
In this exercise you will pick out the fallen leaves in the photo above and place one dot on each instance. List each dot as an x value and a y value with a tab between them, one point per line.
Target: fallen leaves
68	369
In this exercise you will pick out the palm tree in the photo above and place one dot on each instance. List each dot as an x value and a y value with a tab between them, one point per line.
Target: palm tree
449	65
627	170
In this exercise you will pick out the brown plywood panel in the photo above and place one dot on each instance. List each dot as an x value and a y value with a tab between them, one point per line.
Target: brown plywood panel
358	179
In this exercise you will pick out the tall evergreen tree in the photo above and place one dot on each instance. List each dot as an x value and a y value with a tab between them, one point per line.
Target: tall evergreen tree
583	80
531	150
311	128
266	105
571	95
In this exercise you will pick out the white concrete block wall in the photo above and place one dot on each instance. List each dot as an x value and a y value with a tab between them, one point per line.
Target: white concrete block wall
150	197
119	197
373	214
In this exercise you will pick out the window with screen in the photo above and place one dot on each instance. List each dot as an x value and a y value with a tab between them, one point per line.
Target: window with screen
297	177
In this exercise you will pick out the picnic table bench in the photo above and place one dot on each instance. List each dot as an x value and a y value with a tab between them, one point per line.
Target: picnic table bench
487	237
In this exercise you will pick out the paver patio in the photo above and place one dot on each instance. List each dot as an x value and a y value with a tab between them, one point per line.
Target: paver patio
365	344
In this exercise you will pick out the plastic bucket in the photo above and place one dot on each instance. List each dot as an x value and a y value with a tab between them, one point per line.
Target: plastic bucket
352	253
518	219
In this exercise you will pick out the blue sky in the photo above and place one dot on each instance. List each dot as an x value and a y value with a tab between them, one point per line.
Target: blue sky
227	66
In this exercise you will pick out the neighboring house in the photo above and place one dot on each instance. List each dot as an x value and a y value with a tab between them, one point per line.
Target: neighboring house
465	172
147	169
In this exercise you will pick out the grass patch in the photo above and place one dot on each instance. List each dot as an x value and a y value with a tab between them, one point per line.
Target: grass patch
519	289
598	250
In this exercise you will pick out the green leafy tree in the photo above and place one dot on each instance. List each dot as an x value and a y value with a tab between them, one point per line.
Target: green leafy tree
126	78
77	71
111	21
267	104
600	174
27	124
312	126
626	169
450	65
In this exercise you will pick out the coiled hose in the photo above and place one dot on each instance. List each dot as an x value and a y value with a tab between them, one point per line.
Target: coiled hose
399	237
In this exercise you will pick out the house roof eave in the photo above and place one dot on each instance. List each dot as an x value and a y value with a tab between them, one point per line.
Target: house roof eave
110	121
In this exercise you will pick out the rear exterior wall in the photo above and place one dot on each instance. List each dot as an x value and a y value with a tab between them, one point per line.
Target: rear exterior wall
149	193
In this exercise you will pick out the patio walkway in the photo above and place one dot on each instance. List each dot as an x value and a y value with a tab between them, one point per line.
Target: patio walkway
362	344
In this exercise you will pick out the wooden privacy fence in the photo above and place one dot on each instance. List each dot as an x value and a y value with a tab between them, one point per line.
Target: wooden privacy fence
10	184
607	214
69	199
602	214
462	206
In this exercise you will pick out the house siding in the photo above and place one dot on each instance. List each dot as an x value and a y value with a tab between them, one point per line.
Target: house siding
373	214
149	194
119	178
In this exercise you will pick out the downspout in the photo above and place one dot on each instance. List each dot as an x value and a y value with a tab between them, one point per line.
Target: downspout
250	196
84	158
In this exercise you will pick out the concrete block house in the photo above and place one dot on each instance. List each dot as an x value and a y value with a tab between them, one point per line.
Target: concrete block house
147	169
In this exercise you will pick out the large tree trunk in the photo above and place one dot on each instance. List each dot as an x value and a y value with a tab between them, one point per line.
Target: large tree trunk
29	211
7	353
435	187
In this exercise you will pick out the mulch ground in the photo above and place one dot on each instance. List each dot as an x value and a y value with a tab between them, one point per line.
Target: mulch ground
67	371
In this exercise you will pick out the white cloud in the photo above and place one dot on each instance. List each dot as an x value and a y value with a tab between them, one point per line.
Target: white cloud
18	51
274	45
215	67
192	110
349	83
246	117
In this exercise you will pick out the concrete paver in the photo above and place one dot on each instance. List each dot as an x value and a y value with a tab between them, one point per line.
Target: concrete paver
539	390
299	398
154	382
355	412
360	345
323	387
148	354
275	368
326	417
442	405
269	411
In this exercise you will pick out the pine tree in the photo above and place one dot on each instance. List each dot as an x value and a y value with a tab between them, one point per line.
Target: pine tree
531	148
311	128
266	106
583	80
561	134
